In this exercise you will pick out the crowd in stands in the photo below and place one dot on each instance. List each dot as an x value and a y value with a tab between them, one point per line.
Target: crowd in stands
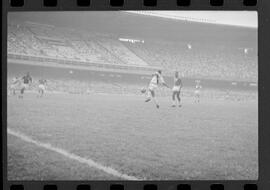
122	51
199	60
55	43
196	60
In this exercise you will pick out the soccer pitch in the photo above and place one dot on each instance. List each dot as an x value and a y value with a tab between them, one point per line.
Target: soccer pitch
114	137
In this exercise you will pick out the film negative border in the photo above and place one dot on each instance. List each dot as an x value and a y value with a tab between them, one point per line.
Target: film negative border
134	186
24	5
262	6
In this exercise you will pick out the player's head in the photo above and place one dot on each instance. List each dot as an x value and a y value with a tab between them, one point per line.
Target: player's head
159	71
176	74
28	74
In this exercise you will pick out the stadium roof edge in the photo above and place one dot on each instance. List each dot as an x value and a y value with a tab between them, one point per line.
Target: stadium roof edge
191	20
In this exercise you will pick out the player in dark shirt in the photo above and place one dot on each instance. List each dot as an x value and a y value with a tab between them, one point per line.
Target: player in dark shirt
26	81
176	90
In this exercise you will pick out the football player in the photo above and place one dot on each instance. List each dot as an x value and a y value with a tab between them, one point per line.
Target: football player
157	79
26	81
41	87
176	90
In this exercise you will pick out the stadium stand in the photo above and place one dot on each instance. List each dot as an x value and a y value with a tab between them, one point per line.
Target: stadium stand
38	40
122	52
89	54
191	59
104	55
199	60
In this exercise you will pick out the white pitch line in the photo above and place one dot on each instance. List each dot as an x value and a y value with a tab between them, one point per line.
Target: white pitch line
89	162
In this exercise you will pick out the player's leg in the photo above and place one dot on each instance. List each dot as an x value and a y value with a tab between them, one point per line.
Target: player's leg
12	90
178	98
23	89
173	99
154	98
21	92
42	91
149	93
39	92
148	97
195	96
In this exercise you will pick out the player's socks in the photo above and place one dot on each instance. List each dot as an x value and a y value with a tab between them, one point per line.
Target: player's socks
173	103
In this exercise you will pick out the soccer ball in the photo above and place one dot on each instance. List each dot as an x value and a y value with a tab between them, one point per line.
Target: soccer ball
143	90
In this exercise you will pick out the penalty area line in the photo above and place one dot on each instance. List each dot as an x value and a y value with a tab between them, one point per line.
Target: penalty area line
89	162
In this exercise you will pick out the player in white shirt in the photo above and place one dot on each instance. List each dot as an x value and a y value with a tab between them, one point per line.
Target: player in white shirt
156	80
176	90
41	87
15	84
197	91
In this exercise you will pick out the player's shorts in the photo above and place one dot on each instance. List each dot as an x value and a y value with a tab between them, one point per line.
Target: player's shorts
41	87
25	85
176	88
14	86
152	87
197	92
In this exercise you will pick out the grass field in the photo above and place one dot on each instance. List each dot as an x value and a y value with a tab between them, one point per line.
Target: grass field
118	133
